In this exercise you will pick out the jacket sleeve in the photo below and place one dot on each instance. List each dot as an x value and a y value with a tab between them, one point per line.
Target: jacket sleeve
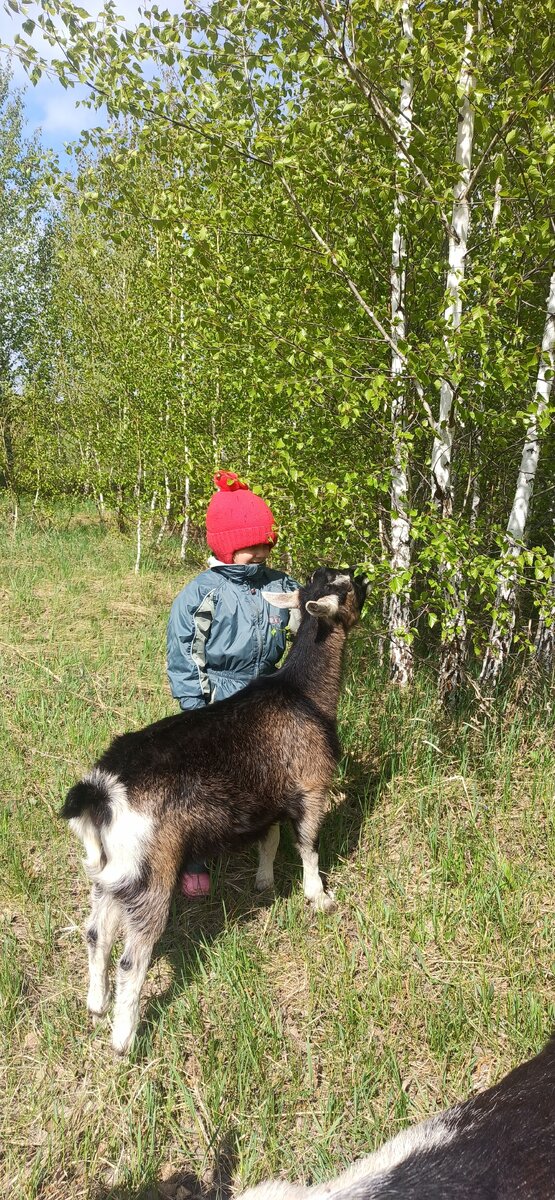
188	631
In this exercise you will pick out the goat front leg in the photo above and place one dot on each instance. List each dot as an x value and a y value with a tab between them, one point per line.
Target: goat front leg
142	933
306	830
101	933
267	848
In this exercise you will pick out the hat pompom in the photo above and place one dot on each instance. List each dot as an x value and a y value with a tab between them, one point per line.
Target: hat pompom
228	481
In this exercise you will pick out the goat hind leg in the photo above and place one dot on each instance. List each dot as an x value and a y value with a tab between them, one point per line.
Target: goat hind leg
267	848
142	933
101	933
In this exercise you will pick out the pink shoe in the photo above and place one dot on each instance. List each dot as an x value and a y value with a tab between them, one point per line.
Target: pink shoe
195	884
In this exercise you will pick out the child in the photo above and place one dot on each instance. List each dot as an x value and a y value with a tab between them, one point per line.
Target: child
222	633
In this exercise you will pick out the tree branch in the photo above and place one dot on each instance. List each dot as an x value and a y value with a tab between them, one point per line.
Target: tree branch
383	113
358	297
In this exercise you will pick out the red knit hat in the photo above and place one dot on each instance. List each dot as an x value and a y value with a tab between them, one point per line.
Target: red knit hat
236	518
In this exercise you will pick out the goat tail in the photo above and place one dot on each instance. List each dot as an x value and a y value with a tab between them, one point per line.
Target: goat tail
88	807
83	796
115	834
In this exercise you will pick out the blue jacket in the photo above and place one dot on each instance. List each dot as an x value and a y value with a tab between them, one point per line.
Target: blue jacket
222	633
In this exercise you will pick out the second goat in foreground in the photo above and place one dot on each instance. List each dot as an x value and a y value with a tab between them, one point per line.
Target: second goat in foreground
205	781
499	1145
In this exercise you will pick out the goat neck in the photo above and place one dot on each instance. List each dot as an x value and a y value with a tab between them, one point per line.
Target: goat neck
315	662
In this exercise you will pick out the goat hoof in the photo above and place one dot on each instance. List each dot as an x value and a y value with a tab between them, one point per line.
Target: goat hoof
97	1011
96	1017
122	1043
325	902
263	882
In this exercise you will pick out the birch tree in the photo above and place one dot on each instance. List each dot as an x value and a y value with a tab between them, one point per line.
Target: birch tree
400	640
502	628
453	648
544	641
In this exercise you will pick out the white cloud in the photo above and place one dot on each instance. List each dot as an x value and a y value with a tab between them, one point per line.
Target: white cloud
62	115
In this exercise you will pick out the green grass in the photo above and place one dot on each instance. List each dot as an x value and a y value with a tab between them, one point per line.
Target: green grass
273	1040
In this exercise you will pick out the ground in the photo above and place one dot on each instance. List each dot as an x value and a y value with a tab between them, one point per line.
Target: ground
273	1040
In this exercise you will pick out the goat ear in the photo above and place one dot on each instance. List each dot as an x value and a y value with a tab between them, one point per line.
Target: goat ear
326	606
282	599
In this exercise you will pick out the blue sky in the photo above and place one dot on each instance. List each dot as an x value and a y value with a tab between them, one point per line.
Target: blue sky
49	108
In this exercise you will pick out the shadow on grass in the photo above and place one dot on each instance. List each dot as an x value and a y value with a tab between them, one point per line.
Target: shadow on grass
194	925
184	1185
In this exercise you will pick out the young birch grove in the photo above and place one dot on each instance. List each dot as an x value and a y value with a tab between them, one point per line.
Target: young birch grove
313	244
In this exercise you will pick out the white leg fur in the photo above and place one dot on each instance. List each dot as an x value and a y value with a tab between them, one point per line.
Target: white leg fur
102	930
133	965
128	993
307	841
312	883
359	1178
267	852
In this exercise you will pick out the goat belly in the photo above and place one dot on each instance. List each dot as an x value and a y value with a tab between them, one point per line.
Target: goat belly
211	844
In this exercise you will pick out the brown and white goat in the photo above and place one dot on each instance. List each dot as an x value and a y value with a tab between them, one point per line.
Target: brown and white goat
206	781
499	1145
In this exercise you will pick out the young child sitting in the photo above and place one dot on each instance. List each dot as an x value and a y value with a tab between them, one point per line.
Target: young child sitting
221	631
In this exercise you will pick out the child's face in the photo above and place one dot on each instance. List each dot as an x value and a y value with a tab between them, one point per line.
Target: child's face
252	554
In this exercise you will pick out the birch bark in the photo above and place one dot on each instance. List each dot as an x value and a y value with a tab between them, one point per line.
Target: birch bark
400	652
453	645
138	498
477	437
186	488
502	628
167	510
544	642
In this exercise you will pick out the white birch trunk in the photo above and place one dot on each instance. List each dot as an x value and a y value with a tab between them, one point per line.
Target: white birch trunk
453	646
139	519
458	241
386	556
400	651
544	641
496	210
475	493
187	488
185	525
167	509
502	629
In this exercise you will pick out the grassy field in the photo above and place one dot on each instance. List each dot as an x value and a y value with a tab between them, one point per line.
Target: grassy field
273	1040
